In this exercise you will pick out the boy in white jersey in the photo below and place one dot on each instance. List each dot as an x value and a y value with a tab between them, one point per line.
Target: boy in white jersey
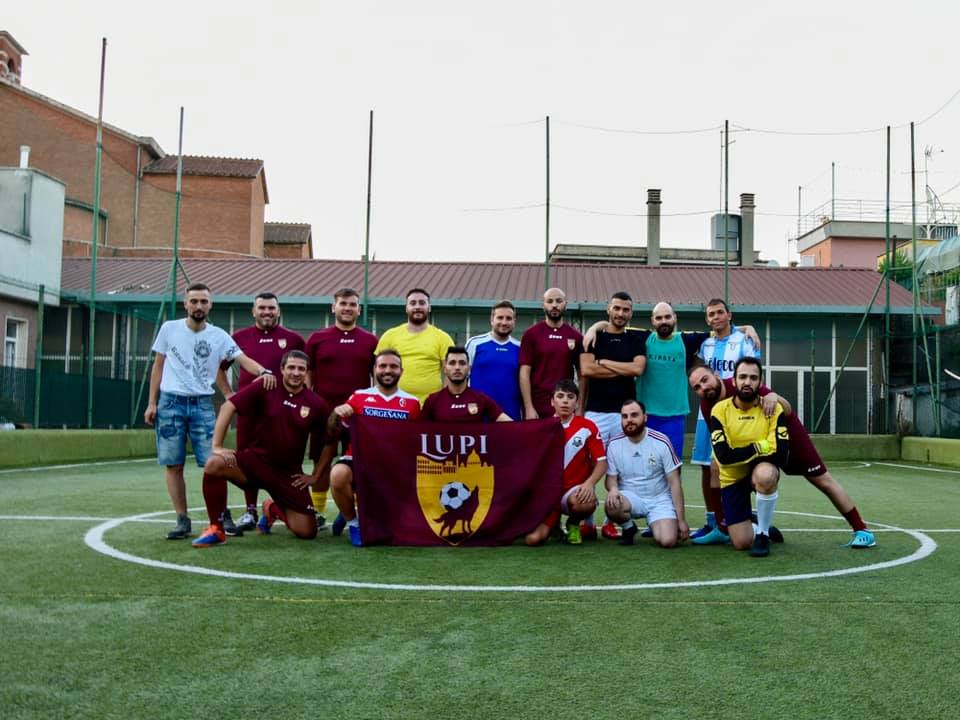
643	480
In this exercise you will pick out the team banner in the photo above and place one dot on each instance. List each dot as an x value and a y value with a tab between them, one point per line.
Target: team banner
454	484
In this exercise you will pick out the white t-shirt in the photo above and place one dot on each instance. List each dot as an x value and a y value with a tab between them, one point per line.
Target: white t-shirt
191	359
642	467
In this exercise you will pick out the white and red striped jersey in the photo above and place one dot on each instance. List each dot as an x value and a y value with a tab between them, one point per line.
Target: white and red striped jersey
582	450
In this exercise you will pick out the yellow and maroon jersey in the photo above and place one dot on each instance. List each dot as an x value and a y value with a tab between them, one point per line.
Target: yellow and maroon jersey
736	435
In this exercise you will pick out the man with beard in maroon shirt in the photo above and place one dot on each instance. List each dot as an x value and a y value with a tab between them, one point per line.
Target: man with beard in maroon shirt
549	353
341	361
266	341
273	461
457	402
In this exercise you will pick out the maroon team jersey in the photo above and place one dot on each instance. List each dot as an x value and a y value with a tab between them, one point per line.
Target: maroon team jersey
341	362
267	347
469	406
553	354
286	420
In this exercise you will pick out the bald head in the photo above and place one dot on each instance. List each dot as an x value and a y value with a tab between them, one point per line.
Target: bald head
554	306
663	319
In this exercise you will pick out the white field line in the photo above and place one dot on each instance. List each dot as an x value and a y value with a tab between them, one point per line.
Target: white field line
94	538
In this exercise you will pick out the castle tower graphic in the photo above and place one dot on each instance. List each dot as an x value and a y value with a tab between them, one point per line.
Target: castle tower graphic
432	475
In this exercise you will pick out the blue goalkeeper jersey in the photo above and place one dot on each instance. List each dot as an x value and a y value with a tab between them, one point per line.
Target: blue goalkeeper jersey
494	370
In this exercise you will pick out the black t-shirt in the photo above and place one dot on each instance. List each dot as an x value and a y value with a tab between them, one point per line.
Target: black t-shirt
608	394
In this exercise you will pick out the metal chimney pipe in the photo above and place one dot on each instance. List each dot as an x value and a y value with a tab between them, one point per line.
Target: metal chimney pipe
746	229
653	227
24	157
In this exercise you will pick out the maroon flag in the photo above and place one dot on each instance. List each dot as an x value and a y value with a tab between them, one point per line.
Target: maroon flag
454	484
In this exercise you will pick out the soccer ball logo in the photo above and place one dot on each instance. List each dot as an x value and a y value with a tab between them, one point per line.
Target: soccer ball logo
453	495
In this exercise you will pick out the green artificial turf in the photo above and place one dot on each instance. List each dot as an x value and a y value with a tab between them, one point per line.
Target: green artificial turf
91	636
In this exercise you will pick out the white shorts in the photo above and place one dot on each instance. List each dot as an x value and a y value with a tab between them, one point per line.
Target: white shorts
607	423
659	507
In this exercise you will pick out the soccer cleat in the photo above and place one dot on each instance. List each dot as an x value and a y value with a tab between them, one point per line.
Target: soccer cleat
588	531
228	526
862	539
700	532
775	535
647	532
573	535
355	538
761	546
626	537
714	537
181	530
265	522
248	521
210	537
321	522
610	530
339	523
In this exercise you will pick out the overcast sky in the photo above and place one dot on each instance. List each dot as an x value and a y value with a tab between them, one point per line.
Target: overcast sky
460	91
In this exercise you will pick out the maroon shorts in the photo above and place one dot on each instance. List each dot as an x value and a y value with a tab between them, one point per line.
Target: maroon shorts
277	483
803	458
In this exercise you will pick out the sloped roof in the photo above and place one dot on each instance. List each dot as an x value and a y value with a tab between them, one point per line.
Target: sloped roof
207	165
286	233
819	290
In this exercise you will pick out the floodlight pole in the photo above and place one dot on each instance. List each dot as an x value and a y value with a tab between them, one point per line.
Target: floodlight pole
366	243
176	224
726	211
546	252
95	237
37	355
886	313
913	272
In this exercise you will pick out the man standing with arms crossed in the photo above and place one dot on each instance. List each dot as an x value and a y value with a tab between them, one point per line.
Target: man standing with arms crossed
549	353
495	360
341	360
421	345
187	357
266	341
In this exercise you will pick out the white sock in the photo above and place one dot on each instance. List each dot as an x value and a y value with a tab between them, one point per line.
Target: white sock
354	523
766	504
627	525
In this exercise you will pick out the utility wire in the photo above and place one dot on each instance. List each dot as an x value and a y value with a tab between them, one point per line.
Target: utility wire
628	131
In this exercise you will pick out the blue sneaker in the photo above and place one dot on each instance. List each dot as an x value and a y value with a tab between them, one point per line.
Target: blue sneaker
355	538
647	532
862	539
709	524
714	537
210	537
339	524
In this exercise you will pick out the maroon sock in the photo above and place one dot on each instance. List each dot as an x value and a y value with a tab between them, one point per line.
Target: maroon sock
717	507
250	497
853	517
215	498
276	512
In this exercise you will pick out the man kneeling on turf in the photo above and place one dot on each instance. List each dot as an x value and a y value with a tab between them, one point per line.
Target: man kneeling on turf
273	460
584	463
643	480
750	449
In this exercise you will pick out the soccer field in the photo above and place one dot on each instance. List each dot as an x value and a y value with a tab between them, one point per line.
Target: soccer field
101	617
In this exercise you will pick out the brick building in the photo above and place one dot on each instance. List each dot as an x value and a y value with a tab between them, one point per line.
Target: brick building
222	201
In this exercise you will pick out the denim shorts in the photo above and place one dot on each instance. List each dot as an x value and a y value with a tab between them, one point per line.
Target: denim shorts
179	416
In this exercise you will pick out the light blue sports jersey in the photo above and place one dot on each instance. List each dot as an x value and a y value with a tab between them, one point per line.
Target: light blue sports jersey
722	354
494	370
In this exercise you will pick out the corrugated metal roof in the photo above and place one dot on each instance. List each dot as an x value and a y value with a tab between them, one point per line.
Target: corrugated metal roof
838	290
207	166
278	233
